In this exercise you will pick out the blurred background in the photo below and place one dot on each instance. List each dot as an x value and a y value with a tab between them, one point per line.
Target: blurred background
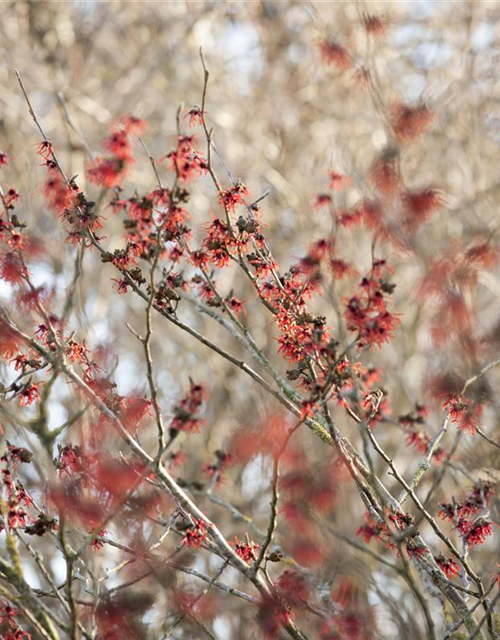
282	118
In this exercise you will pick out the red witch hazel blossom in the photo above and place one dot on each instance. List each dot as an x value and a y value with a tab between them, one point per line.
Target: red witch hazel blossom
195	534
476	532
185	161
367	313
109	171
217	470
448	566
463	413
9	629
186	412
335	55
99	544
467	515
195	116
231	198
69	459
246	549
28	394
15	501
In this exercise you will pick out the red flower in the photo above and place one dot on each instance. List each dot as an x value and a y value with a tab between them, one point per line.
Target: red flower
28	394
19	454
44	149
9	340
375	26
60	196
367	312
122	285
96	543
16	240
195	535
232	197
11	268
133	125
271	616
245	550
349	219
322	200
10	199
110	171
341	269
463	413
424	203
447	511
235	305
9	630
70	460
308	409
415	551
199	258
410	121
195	116
20	362
338	181
402	520
176	458
384	173
118	144
3	159
107	172
134	410
186	416
418	440
475	532
448	566
76	352
372	529
332	53
185	161
16	518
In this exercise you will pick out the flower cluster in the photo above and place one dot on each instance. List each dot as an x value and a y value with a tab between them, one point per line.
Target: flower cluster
186	412
185	161
69	460
9	629
66	199
367	313
476	532
217	470
463	413
195	534
28	394
371	529
195	116
245	549
231	198
410	121
466	514
416	437
110	171
335	54
449	282
448	566
16	498
221	243
337	182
